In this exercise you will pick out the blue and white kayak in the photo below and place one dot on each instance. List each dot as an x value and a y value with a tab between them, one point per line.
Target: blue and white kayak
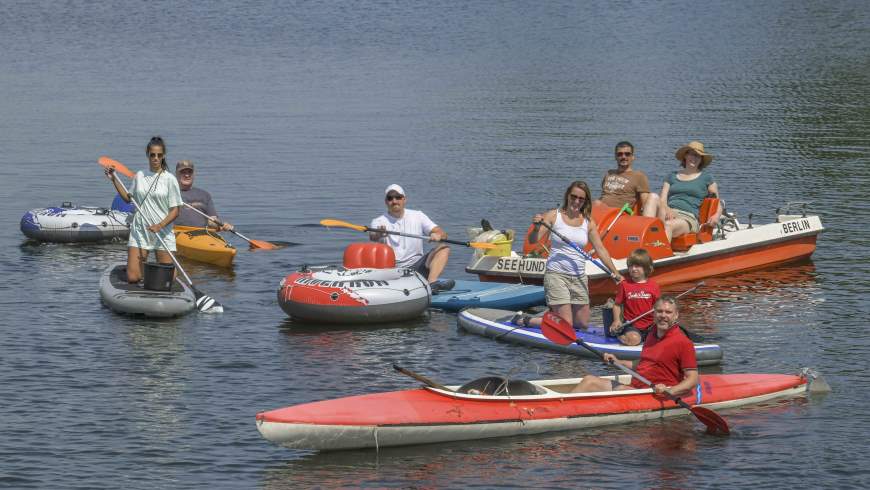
488	294
496	324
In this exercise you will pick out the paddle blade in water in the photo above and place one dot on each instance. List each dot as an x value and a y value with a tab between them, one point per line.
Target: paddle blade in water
263	245
206	303
557	330
715	424
119	167
342	224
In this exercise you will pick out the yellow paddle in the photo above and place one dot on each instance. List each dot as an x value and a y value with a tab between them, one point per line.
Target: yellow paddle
119	167
345	224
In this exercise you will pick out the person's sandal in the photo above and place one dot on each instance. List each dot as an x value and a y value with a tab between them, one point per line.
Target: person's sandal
521	319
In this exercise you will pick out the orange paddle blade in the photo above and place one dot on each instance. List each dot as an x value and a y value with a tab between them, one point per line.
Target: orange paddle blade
258	244
119	167
343	224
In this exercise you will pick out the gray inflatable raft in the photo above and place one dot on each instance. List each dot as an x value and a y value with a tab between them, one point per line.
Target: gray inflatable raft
132	299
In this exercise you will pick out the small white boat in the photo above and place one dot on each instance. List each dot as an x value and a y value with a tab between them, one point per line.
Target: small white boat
69	224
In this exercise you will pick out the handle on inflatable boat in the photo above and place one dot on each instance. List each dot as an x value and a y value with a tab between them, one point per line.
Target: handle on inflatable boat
204	302
561	332
582	252
345	224
420	377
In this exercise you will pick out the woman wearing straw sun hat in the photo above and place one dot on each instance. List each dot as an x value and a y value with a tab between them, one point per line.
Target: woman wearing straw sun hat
685	189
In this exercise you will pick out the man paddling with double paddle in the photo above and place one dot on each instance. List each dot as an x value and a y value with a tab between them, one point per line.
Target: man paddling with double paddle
409	251
196	198
667	360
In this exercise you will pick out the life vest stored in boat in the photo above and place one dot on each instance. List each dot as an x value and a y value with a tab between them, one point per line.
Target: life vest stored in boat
370	292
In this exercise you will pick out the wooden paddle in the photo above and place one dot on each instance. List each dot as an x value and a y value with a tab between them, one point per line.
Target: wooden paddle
581	252
204	302
345	224
420	377
561	332
119	167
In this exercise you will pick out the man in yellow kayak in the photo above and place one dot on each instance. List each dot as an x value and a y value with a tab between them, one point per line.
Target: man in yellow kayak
196	197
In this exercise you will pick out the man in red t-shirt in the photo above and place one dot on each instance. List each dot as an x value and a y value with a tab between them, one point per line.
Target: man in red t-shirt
667	359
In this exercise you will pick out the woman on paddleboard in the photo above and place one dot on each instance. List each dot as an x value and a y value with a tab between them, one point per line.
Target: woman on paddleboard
565	283
159	199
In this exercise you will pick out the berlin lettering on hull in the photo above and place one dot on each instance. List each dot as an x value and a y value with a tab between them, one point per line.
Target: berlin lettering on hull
518	264
795	226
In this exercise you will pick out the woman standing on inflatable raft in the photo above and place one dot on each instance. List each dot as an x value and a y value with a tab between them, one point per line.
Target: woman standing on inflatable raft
565	283
159	200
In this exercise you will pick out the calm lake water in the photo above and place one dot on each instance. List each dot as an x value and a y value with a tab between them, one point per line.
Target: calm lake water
298	111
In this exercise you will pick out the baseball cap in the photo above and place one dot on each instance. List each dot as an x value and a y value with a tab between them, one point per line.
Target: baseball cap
183	164
395	188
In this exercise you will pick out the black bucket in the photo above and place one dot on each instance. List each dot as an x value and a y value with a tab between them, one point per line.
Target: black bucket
158	277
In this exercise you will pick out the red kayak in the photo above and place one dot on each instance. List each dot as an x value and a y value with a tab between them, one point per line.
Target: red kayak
494	407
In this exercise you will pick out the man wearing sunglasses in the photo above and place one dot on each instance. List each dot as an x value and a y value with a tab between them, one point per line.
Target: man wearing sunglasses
196	197
409	251
624	185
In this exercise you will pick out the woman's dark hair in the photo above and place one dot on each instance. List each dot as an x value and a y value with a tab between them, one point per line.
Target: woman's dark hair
158	141
586	209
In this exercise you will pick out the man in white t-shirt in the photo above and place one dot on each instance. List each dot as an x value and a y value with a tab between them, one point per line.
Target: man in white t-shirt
409	251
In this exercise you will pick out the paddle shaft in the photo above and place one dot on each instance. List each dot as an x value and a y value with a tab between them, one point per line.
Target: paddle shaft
578	249
411	235
421	378
629	322
243	237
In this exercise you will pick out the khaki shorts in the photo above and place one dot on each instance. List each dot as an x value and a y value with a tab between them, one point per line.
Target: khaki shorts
565	289
690	218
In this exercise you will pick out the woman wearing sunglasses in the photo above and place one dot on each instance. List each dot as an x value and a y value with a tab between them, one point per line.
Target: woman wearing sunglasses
159	200
565	284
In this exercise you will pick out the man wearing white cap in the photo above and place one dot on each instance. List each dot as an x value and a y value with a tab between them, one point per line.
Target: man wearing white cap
409	251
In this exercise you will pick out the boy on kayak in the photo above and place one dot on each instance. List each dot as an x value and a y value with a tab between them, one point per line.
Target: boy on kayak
635	299
196	197
409	251
667	359
624	185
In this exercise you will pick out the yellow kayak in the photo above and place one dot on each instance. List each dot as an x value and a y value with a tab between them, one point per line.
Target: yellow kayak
203	245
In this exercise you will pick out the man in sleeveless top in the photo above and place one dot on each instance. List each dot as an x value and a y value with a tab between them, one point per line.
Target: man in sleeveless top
409	251
667	360
196	197
625	185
